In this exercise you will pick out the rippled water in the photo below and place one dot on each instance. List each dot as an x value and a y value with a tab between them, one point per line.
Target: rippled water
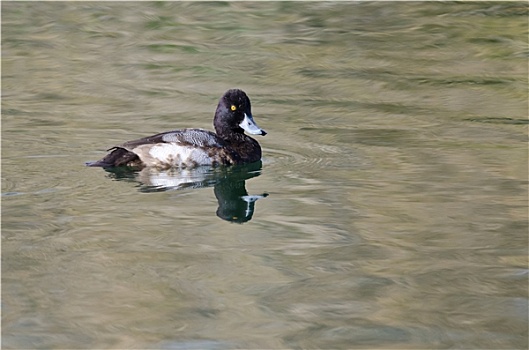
389	211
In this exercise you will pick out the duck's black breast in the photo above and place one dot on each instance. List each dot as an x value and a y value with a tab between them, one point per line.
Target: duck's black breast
245	149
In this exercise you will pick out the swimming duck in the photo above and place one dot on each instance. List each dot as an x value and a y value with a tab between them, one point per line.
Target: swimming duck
184	148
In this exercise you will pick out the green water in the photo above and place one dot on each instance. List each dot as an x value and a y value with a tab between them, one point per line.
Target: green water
392	195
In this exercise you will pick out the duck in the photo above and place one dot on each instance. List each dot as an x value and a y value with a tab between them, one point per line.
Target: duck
188	148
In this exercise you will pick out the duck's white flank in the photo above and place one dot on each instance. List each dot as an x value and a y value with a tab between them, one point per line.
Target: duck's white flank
172	155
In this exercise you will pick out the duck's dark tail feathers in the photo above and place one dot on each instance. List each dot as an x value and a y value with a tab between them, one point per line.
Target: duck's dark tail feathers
118	157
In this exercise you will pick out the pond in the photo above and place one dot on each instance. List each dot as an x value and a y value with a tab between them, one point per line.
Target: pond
389	209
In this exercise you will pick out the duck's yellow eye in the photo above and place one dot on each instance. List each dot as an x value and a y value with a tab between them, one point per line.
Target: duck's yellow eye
233	107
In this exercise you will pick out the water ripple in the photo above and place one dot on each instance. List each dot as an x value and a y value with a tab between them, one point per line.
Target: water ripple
314	156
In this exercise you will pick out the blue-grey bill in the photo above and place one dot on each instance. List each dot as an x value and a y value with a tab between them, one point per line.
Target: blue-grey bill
250	127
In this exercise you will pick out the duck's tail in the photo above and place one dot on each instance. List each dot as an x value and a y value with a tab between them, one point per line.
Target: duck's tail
118	157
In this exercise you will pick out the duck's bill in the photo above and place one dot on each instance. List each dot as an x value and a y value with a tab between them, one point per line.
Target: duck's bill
250	127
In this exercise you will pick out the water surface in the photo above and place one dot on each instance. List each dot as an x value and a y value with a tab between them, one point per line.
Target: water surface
389	211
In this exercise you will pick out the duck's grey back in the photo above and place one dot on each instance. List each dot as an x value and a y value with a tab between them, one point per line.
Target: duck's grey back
185	137
195	137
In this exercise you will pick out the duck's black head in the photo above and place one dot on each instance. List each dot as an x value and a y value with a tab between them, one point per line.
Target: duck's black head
234	115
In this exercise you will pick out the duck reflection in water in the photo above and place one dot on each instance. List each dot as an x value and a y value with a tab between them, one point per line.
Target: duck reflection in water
229	182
